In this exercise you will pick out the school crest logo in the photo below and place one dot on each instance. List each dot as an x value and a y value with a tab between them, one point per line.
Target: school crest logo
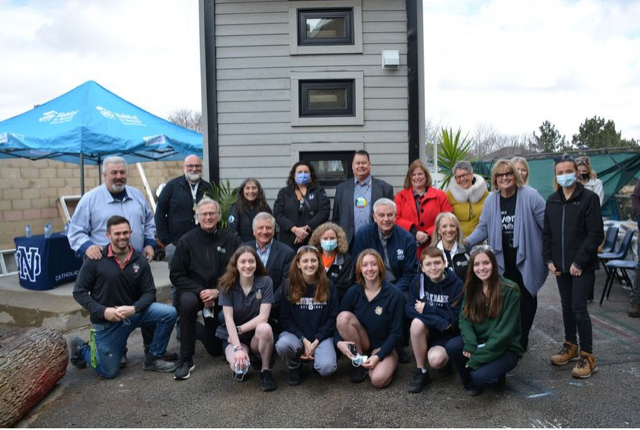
136	268
378	310
28	263
400	254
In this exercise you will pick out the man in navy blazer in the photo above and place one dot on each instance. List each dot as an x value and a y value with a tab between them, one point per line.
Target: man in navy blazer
275	255
354	199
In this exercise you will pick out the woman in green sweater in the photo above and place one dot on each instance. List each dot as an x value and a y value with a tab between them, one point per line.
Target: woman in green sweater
489	345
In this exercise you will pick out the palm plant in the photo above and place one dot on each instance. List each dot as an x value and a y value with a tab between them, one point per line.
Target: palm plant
451	150
225	196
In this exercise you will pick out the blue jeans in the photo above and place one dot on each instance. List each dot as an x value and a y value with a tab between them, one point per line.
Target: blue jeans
488	374
111	337
290	348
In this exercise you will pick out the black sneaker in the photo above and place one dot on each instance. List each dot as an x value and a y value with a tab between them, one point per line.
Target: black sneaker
183	371
418	381
473	391
403	357
75	358
123	359
268	383
157	364
295	376
359	374
167	356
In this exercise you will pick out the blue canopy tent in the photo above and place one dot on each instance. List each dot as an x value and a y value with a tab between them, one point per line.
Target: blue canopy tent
90	123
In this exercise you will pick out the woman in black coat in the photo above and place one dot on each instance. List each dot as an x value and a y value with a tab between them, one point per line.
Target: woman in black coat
301	206
250	201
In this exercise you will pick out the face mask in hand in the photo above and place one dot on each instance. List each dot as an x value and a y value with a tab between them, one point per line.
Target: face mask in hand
566	180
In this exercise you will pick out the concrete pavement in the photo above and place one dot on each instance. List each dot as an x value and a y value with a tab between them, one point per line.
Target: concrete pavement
537	394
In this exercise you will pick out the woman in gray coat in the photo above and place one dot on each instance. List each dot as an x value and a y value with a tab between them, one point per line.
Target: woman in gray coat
512	221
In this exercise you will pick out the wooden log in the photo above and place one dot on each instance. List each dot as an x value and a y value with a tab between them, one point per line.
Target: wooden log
32	361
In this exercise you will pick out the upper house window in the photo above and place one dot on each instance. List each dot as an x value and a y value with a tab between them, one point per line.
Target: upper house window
325	27
329	27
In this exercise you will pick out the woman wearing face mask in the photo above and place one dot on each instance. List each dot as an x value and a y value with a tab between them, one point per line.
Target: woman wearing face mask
512	220
336	260
448	238
370	322
301	206
573	230
588	178
250	201
308	311
489	345
434	306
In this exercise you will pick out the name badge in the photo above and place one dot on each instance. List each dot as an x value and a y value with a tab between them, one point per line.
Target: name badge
361	202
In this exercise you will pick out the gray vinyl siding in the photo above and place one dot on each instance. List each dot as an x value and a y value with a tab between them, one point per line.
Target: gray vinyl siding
254	66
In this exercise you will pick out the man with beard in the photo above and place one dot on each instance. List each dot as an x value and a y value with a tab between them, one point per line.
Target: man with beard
120	295
88	228
176	210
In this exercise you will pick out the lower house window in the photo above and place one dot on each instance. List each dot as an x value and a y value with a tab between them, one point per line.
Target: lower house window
332	167
327	98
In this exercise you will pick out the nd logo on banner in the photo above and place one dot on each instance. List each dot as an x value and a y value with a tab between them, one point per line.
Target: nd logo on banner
28	263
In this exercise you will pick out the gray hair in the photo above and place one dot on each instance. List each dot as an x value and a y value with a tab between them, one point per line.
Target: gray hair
436	235
114	159
207	201
462	165
262	216
385	202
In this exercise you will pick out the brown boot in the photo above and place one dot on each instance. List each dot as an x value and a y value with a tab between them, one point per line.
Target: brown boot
586	366
567	353
634	310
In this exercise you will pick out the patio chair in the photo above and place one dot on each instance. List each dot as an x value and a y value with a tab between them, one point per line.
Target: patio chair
614	266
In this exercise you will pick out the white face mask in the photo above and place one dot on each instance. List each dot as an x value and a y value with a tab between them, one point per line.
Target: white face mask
566	180
329	244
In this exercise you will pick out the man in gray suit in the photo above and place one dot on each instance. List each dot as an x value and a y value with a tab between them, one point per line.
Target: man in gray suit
353	203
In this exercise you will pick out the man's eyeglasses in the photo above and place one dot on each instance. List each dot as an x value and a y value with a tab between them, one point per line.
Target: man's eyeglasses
209	214
193	166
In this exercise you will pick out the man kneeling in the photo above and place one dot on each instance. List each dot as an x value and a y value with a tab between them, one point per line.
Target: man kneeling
120	295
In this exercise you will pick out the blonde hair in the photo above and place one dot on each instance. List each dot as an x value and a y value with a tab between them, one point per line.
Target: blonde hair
584	161
456	221
503	162
516	160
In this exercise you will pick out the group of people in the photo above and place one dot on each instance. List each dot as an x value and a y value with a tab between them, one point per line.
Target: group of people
383	272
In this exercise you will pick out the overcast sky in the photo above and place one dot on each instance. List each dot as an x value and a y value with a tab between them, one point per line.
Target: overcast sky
510	64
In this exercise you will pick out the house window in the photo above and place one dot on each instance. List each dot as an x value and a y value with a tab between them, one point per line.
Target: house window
326	98
332	167
325	27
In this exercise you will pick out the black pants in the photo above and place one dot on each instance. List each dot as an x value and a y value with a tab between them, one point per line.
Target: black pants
528	305
189	304
574	293
488	374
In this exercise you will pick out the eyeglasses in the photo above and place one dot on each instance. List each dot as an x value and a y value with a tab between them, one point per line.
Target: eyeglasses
464	175
193	166
209	214
307	248
504	175
478	248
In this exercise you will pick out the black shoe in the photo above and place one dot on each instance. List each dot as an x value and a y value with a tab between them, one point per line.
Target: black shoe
75	358
359	374
268	383
403	357
157	364
419	381
183	371
295	376
473	391
168	356
123	359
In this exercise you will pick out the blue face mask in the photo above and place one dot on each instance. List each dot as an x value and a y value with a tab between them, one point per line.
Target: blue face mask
303	178
329	244
566	180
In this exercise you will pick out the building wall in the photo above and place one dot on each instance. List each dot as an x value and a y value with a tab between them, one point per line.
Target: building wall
29	191
254	68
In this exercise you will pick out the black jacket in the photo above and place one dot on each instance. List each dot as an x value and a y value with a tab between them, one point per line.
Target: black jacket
289	213
174	212
242	223
341	274
573	229
102	284
201	258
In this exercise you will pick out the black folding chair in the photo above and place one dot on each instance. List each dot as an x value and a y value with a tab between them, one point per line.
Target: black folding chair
618	254
610	239
614	266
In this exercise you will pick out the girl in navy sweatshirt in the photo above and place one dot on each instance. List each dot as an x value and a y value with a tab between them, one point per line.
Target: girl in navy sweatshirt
433	306
308	313
371	321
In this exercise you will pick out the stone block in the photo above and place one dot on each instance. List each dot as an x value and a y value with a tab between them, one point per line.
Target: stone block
13	215
48	173
29	173
10	173
31	193
32	214
11	194
21	204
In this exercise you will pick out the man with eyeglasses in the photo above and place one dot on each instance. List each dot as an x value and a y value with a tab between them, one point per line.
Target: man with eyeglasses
201	257
176	209
119	293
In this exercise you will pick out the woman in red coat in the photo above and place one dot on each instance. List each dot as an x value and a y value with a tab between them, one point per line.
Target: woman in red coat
418	204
